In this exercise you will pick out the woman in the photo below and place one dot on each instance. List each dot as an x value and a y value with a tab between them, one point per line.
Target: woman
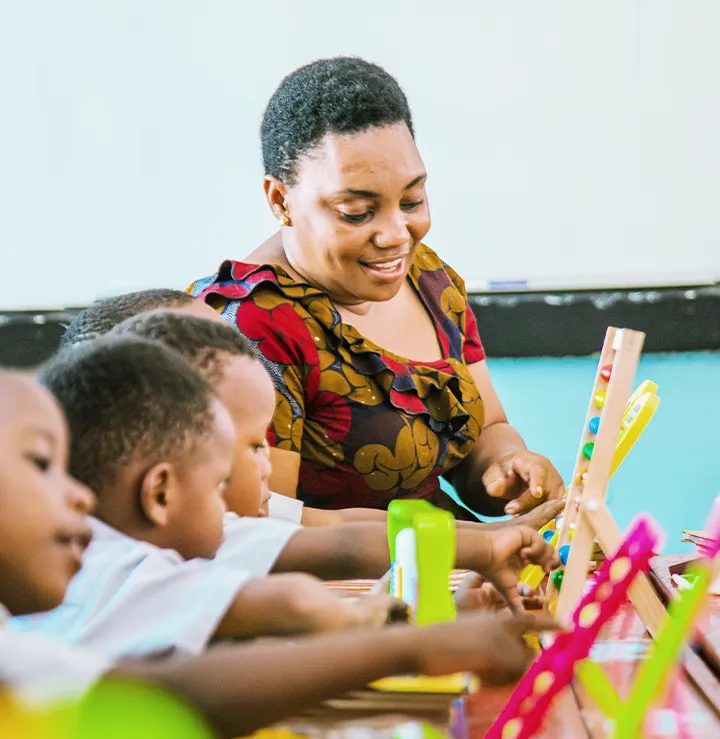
382	385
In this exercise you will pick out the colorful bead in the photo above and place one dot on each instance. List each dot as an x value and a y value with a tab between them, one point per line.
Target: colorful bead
557	578
548	535
571	531
594	424
588	450
599	398
605	372
564	553
581	477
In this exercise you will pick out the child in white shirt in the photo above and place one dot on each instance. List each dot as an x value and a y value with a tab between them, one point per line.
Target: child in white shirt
164	571
359	549
239	689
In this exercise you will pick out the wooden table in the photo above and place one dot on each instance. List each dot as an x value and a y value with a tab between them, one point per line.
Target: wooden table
368	714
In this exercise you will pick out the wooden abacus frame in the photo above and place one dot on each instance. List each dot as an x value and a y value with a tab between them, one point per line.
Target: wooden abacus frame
585	509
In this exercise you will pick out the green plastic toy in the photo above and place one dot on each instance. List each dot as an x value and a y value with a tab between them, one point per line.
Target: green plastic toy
421	539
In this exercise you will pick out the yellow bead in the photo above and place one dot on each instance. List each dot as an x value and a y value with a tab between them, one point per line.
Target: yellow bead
599	398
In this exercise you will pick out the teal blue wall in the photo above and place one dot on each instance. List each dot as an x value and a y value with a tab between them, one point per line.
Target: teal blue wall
673	472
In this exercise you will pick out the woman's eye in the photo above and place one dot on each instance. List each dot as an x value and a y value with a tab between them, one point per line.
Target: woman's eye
356	218
412	206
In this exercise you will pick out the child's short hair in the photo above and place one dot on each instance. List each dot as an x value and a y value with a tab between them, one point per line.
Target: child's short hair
126	398
97	319
202	342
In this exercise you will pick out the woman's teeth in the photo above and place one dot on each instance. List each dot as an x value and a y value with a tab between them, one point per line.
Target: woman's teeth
387	266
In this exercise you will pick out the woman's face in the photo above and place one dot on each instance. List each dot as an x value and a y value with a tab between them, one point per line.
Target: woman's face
358	211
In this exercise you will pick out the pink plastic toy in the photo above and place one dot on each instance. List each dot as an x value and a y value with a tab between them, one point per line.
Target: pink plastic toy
554	668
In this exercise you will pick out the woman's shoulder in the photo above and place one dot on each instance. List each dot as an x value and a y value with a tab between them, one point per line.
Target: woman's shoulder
434	273
266	304
241	280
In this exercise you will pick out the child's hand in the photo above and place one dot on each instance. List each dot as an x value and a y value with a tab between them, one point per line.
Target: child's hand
511	549
490	645
476	594
377	610
296	603
535	519
323	610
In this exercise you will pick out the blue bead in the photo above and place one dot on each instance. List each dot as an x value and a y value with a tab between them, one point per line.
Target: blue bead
547	535
594	424
564	553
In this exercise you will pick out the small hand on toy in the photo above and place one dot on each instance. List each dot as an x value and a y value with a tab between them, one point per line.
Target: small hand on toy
535	519
475	593
510	550
525	478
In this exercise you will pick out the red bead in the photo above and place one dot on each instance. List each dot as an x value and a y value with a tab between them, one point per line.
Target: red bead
605	372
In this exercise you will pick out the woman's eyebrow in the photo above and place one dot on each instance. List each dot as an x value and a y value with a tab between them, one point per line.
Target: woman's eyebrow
373	194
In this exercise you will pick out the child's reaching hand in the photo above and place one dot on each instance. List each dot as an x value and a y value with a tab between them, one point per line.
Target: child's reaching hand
474	593
510	550
492	646
296	603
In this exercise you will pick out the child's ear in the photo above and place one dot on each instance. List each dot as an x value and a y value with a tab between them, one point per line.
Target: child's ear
156	493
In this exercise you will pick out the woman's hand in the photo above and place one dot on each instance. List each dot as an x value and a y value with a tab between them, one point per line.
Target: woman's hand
524	478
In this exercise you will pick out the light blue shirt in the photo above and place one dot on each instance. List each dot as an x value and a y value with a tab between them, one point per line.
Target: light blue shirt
39	671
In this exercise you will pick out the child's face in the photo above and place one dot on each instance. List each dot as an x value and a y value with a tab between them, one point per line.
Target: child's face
196	522
43	527
247	392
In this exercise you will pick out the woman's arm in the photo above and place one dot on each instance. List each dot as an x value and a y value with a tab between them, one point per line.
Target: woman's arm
500	467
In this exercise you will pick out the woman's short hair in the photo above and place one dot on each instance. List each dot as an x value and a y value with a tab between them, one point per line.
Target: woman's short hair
342	95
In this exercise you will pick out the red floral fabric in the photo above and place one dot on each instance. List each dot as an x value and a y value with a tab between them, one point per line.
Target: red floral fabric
369	426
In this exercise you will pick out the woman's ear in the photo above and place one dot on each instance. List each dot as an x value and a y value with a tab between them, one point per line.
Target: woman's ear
276	194
156	493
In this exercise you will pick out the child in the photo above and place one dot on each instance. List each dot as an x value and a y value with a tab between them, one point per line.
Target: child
43	530
103	315
228	361
114	390
153	441
98	318
350	550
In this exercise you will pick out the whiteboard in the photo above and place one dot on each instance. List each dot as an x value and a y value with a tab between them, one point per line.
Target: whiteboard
568	143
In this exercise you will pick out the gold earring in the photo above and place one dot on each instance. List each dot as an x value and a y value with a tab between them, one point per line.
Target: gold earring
284	221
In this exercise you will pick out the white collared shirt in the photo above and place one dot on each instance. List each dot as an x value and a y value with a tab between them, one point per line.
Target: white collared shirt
283	508
133	599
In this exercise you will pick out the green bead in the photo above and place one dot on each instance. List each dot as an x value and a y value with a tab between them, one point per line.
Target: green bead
557	578
588	450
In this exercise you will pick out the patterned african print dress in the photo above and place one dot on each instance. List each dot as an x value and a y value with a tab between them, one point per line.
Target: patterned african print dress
369	426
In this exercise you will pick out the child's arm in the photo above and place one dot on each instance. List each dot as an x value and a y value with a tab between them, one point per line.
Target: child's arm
360	550
536	518
299	604
246	687
319	517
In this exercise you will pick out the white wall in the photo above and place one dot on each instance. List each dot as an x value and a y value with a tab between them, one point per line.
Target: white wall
568	142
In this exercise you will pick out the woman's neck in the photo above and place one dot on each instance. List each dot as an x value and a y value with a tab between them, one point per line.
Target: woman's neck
273	252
